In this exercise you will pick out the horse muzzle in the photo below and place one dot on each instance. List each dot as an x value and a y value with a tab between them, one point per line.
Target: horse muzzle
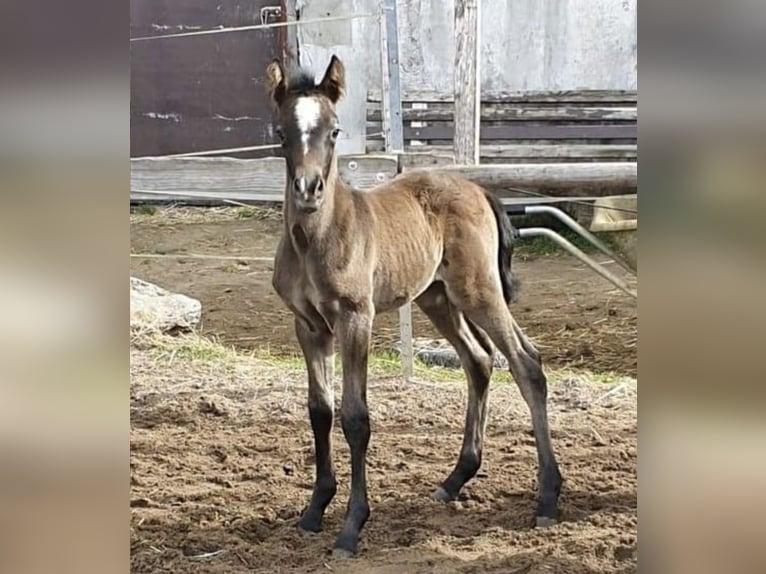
309	192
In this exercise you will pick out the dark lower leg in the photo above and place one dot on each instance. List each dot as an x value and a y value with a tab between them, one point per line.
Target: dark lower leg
533	386
354	330
356	429
473	438
474	349
325	484
318	352
526	368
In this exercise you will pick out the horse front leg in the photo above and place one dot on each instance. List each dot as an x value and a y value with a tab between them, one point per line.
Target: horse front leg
317	345
354	329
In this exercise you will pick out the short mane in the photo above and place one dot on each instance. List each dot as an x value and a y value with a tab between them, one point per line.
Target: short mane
302	80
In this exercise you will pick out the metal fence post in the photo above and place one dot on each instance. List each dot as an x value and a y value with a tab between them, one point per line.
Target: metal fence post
394	138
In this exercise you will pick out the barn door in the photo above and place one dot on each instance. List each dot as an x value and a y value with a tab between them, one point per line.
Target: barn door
202	92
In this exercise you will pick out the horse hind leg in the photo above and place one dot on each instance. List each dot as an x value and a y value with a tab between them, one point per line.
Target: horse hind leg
528	373
474	351
482	302
526	344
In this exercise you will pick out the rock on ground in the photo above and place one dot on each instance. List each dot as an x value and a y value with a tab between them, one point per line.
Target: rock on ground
438	352
153	308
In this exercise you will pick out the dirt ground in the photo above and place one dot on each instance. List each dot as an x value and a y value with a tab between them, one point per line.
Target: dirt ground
221	467
575	317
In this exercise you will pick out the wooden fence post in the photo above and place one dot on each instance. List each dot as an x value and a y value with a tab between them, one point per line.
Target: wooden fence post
467	81
394	138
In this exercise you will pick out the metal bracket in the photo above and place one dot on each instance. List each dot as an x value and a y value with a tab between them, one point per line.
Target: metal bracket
268	11
576	227
597	267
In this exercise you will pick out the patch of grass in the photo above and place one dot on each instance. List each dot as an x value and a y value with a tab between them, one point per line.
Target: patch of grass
258	213
246	213
190	346
288	362
542	246
145	210
198	348
179	214
233	267
606	379
379	364
385	364
206	352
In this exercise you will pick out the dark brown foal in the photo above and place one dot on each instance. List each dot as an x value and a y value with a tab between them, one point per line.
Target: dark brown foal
345	255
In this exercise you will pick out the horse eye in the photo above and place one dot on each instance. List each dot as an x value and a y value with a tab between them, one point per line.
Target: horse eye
335	133
280	134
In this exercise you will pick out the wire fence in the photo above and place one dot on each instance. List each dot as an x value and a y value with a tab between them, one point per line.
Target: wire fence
208	152
223	30
215	151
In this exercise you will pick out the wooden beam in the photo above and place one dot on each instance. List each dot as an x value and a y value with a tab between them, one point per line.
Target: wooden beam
460	133
289	34
505	96
425	156
556	151
211	180
467	83
549	175
492	112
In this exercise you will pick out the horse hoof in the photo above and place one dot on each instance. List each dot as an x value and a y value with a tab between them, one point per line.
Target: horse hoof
442	495
545	521
309	525
342	554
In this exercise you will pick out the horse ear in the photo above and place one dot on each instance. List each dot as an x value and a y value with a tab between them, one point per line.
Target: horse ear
276	82
334	82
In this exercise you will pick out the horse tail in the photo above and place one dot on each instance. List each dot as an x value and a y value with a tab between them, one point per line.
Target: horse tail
508	235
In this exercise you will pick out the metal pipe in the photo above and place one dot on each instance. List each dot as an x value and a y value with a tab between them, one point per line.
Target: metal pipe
576	227
600	269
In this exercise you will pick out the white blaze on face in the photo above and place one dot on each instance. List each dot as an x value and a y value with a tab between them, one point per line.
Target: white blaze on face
307	114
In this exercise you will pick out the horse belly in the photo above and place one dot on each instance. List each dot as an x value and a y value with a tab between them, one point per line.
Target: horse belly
396	287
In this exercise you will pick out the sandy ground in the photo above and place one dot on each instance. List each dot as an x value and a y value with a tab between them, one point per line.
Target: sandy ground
221	467
575	317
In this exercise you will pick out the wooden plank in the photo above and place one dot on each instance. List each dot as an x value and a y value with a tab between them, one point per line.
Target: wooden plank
549	175
508	113
466	84
489	96
551	151
415	160
526	131
290	34
240	179
392	103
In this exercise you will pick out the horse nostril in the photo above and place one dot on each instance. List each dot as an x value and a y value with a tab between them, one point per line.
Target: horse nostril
299	184
320	185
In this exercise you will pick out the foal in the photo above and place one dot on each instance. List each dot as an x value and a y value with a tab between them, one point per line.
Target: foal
345	255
